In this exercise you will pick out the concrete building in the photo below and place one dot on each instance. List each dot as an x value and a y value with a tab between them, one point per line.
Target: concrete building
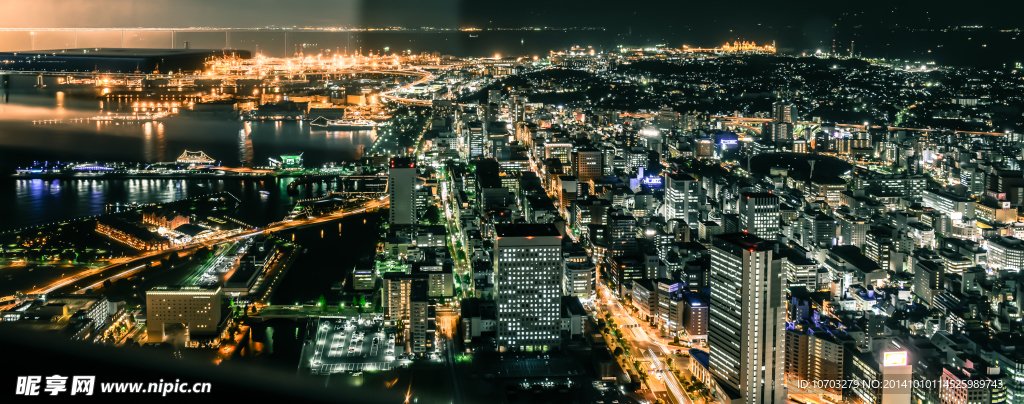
759	214
956	207
929	280
396	294
579	279
402	191
695	317
623	233
1006	253
645	299
682	199
587	165
853	230
197	307
422	324
975	381
363	279
747	315
527	271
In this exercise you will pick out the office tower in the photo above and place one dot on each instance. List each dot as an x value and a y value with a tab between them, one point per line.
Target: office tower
635	159
527	273
587	165
558	149
402	190
623	227
568	192
580	272
682	199
421	319
746	327
929	280
197	307
853	230
759	214
823	232
1006	253
475	140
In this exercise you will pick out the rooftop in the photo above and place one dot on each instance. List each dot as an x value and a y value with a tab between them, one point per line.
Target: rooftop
527	230
745	240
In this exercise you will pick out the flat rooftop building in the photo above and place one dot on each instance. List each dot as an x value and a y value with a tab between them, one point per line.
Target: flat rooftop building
197	307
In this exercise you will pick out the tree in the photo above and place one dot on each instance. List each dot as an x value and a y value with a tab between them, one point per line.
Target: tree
107	285
675	340
321	302
617	351
433	214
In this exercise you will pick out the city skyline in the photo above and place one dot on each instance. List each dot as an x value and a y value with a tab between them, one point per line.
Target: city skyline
662	203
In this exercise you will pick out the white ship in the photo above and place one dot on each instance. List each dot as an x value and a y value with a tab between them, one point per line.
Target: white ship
343	124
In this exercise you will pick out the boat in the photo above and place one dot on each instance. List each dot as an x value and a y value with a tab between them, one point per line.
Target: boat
264	193
473	36
343	124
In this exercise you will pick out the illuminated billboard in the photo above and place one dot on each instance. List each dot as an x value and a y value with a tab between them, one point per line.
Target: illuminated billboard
895	359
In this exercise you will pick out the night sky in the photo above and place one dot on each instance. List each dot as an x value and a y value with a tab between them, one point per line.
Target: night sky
638	14
797	25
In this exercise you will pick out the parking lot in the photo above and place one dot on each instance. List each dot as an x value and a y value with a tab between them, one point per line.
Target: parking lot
349	344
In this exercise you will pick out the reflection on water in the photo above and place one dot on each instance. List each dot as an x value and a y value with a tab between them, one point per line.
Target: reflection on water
22	142
232	142
36	202
245	145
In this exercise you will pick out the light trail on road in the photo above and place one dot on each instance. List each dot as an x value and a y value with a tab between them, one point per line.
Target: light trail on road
674	387
112	278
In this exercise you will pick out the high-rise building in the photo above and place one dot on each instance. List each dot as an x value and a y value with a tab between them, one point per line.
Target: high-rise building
421	319
558	149
780	129
197	307
402	190
623	229
759	214
746	327
475	139
682	199
853	230
396	294
587	164
695	317
527	275
784	111
929	280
